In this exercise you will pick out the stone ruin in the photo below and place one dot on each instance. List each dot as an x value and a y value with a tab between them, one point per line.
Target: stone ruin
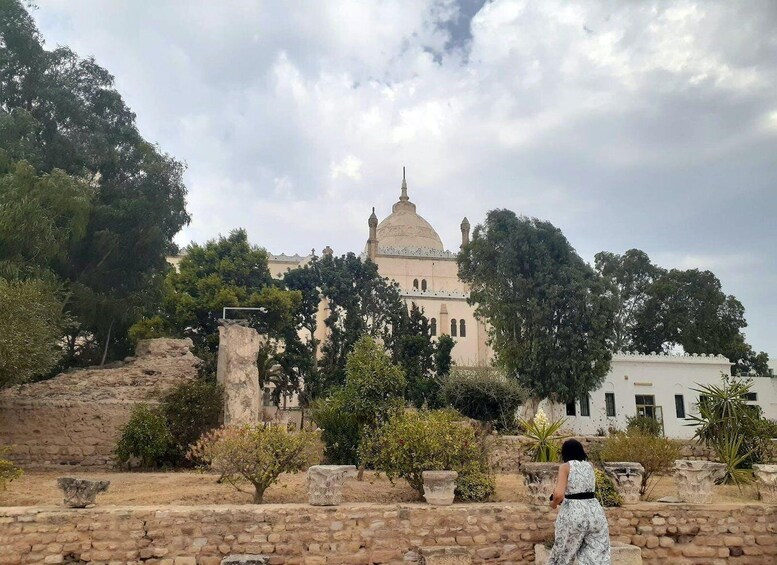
239	347
75	417
81	493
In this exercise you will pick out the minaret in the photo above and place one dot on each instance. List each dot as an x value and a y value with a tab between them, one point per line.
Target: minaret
464	232
372	242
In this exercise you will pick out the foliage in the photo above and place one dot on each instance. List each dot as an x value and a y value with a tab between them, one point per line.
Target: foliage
256	454
484	394
8	471
109	202
656	454
412	442
191	409
415	353
644	425
544	439
31	327
606	493
144	437
657	310
736	430
549	318
443	360
148	328
340	430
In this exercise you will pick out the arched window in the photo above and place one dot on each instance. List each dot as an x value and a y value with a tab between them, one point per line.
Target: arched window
433	326
462	328
415	284
453	328
423	284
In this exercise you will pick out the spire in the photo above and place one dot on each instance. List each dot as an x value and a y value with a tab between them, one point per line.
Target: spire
373	221
404	197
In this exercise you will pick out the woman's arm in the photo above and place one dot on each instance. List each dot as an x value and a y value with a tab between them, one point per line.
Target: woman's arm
561	485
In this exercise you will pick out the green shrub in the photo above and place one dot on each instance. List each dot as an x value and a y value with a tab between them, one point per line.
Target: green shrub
144	437
655	454
340	431
544	443
191	409
644	426
606	493
8	471
484	394
255	454
416	441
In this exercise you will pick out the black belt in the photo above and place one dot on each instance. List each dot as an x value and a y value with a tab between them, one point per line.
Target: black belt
580	496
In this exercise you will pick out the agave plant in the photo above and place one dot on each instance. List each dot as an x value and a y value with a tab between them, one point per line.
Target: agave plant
544	439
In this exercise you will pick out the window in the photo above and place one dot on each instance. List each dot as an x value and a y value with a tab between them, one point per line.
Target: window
453	328
646	405
750	396
433	326
415	284
585	406
571	408
609	404
423	284
462	328
679	405
267	397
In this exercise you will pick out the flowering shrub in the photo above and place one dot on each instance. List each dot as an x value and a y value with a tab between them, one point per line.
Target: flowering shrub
439	440
544	440
255	454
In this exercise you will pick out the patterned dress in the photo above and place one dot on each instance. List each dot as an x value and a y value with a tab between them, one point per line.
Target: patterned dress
581	528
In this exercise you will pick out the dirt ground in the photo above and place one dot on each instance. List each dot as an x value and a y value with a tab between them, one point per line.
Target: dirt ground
38	488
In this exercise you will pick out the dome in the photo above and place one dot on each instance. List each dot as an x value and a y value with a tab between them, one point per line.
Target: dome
405	229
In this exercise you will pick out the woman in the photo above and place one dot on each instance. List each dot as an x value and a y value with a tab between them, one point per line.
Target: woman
581	528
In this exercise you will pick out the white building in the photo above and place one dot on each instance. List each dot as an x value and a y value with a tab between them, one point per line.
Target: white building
658	386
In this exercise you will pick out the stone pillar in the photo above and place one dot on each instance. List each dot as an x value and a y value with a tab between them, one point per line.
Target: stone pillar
80	493
627	477
540	479
325	483
694	479
444	555
439	487
237	372
766	481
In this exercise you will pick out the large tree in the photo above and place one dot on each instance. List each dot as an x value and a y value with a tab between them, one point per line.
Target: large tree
550	320
59	112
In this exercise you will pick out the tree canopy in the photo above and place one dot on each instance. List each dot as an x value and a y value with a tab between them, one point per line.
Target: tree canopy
549	318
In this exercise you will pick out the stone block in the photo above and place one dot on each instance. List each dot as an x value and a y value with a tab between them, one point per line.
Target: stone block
245	559
621	553
439	487
325	483
694	479
766	481
236	370
540	479
444	555
80	493
627	477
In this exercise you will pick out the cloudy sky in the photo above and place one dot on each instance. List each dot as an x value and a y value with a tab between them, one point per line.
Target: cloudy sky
627	124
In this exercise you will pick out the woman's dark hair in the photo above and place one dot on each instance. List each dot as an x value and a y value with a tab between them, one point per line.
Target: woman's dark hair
572	450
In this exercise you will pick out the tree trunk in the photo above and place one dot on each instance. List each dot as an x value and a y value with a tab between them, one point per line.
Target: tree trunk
258	494
360	475
107	341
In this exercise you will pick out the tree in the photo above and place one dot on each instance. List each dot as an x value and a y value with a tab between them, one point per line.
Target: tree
549	319
30	330
415	353
484	394
61	112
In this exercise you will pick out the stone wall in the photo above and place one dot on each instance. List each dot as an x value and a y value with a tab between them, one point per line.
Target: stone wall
508	452
74	418
364	534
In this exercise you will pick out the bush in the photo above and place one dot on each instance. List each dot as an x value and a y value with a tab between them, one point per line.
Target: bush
8	471
544	438
655	454
191	409
439	440
483	394
256	454
144	437
148	328
606	493
340	431
644	425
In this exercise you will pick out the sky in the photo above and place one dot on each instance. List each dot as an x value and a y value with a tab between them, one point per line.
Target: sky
626	124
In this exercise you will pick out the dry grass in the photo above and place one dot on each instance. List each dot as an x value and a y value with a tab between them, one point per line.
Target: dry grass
38	487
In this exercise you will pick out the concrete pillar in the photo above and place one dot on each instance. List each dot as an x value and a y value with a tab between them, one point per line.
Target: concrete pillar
237	371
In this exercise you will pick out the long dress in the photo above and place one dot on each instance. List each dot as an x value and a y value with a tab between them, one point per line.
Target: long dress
581	527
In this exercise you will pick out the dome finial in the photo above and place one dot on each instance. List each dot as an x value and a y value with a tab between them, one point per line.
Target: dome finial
404	197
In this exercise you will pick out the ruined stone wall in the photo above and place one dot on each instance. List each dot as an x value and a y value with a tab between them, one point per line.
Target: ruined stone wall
364	534
508	452
74	418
